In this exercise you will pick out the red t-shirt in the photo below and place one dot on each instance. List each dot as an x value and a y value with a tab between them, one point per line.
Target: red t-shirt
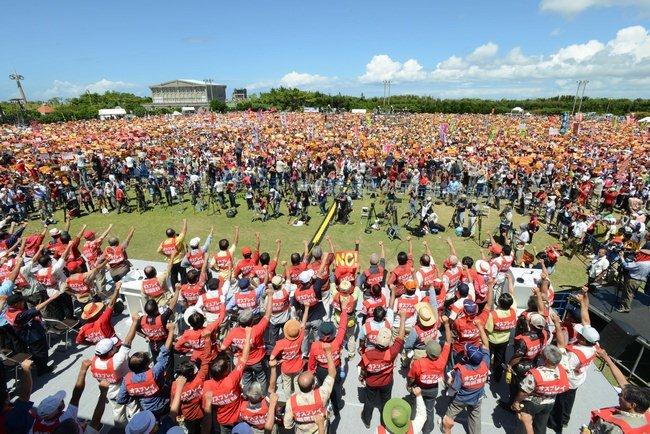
246	265
191	402
426	372
226	396
384	361
290	354
237	337
102	326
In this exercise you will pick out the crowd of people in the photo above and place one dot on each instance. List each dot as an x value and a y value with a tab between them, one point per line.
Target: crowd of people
224	325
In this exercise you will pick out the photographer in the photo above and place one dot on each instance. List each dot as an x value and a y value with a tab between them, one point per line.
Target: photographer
635	277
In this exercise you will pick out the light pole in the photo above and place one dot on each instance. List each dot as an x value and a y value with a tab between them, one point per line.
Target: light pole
575	98
17	77
584	85
208	84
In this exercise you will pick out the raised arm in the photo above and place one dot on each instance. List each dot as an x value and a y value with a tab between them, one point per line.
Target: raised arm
427	250
171	328
175	406
257	242
130	335
184	229
278	246
42	305
26	382
127	240
116	293
67	226
402	325
616	372
452	249
481	329
331	368
382	250
206	425
81	231
330	243
270	416
409	239
96	421
445	323
80	384
236	236
247	346
305	252
268	292
584	307
105	233
560	338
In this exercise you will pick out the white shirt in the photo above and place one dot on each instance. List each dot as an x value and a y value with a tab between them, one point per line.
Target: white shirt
121	366
571	363
598	265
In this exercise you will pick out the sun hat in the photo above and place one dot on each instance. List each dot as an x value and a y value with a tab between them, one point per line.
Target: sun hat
54	232
397	415
306	276
105	345
537	320
194	242
383	337
50	405
142	423
426	315
276	280
496	249
433	349
291	329
189	311
91	310
482	266
345	286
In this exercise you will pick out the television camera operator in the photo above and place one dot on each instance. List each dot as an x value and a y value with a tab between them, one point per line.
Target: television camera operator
636	272
344	208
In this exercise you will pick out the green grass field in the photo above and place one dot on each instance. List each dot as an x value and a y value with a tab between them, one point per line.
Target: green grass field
150	231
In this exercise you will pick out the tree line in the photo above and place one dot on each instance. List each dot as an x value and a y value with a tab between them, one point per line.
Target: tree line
86	106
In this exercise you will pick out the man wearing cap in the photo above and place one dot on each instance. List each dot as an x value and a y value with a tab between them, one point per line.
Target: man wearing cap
118	260
426	373
403	272
222	261
576	359
193	289
111	364
147	385
173	248
27	324
92	250
245	297
98	324
499	324
309	292
309	401
255	365
288	352
81	285
265	265
466	383
329	336
196	257
244	268
377	366
462	294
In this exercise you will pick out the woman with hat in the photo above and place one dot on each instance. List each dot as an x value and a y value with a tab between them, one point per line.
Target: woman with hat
196	256
98	324
287	352
427	328
426	373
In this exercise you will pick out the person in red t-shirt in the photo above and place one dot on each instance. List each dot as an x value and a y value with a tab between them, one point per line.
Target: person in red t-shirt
255	367
403	272
244	268
298	265
190	406
377	365
288	350
426	373
223	389
98	320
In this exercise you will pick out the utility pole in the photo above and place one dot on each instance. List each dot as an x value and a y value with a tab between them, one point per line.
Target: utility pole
388	102
385	82
17	77
575	98
584	85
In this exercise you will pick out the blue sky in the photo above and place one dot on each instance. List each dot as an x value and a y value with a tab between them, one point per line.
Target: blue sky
451	49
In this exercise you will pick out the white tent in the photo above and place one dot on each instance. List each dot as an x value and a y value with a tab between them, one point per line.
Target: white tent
113	113
645	120
517	110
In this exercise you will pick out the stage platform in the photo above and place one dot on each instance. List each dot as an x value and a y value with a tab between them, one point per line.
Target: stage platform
603	312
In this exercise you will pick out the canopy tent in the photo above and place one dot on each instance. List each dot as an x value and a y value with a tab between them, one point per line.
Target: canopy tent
645	120
517	110
113	113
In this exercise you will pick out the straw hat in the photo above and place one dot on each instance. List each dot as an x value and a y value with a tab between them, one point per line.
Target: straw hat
91	310
426	315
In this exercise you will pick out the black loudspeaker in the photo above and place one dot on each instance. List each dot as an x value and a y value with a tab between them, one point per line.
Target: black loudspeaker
615	338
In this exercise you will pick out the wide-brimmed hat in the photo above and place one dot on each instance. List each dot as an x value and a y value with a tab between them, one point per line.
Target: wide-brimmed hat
291	329
426	315
345	286
397	415
482	266
91	310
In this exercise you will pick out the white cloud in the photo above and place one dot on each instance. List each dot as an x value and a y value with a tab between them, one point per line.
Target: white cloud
556	31
483	52
381	67
66	89
610	66
301	79
569	8
633	40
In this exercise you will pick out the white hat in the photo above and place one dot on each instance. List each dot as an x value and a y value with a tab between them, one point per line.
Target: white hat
54	232
105	345
590	334
189	311
306	276
142	423
383	337
194	242
276	280
50	405
537	320
482	266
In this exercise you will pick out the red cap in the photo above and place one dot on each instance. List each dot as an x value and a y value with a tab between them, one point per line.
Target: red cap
89	235
246	251
496	249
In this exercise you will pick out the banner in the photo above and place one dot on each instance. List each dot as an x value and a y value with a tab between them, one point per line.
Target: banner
346	258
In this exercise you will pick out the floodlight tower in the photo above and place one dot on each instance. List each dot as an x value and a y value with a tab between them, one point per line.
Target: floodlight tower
17	77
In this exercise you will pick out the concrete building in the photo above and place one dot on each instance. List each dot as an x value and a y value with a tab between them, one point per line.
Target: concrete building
239	95
186	93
